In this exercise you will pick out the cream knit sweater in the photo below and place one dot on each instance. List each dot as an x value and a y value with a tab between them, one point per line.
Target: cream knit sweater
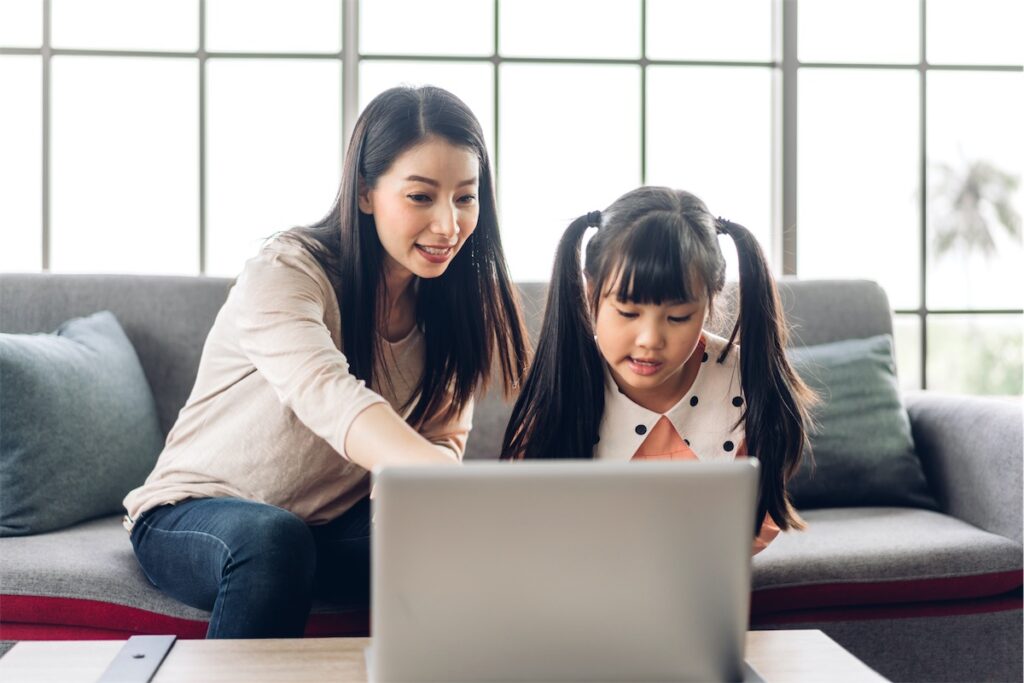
274	399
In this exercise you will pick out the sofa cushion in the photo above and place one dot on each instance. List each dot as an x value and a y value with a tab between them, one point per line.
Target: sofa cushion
78	425
86	576
85	579
876	556
862	444
167	319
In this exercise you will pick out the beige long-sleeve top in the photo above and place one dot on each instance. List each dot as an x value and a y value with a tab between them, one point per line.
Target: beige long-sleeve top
274	399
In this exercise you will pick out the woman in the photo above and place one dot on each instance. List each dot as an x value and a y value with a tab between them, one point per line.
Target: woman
351	344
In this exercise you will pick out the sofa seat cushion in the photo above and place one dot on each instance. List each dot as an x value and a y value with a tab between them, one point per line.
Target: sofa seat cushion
85	579
857	557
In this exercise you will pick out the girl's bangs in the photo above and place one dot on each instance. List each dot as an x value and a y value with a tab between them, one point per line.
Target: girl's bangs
651	269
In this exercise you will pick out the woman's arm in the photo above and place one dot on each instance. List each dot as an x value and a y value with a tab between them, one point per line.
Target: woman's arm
279	313
378	437
450	434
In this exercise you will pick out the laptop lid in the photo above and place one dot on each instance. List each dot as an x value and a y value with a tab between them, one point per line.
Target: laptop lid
562	571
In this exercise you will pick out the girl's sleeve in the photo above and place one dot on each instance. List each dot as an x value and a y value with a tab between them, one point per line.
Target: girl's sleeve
769	530
451	435
279	309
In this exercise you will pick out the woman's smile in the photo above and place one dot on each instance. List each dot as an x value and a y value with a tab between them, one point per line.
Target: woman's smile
435	254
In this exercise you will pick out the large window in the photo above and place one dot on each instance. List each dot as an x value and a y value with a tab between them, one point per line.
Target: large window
173	136
909	165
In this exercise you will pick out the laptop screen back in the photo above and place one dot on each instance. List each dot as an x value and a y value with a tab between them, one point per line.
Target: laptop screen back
562	571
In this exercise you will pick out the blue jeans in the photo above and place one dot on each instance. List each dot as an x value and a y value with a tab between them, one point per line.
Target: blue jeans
256	567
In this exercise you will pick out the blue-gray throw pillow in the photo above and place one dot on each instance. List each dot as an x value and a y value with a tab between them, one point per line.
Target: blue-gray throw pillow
862	444
78	425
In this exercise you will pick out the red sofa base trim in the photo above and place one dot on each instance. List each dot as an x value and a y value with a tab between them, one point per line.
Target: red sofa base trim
31	617
766	601
1000	603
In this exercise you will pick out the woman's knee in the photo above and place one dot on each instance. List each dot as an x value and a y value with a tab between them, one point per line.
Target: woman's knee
277	544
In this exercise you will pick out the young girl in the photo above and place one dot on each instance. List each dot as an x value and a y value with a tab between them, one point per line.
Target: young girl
625	370
354	343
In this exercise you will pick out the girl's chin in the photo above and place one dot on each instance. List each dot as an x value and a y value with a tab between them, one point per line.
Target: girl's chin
637	382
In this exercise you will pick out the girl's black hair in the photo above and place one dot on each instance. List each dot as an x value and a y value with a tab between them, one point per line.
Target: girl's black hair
659	245
470	315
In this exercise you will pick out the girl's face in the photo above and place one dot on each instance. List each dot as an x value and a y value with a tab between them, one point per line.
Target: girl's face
647	346
425	206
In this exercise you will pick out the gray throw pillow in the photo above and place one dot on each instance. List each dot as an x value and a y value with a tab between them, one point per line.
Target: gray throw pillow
862	444
78	425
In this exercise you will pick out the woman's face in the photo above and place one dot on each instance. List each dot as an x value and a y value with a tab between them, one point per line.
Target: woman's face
425	206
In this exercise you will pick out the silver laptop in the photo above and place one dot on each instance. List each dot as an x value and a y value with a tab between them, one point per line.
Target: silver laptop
562	571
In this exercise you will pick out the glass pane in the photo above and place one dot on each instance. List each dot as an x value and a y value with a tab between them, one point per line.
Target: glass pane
976	32
867	31
473	83
907	340
561	160
975	354
975	168
858	168
439	27
271	165
21	23
125	165
570	28
125	24
738	30
273	25
721	154
21	159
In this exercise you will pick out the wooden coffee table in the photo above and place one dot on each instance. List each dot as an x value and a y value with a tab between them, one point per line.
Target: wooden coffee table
779	656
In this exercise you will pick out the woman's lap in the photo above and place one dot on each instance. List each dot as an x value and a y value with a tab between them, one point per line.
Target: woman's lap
231	555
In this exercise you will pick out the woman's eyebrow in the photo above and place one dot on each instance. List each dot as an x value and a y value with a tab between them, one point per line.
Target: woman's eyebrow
434	183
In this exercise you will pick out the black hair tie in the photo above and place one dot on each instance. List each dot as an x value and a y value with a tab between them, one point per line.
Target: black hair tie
594	219
720	225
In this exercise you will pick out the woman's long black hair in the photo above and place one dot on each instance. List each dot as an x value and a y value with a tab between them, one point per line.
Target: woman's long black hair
659	245
470	315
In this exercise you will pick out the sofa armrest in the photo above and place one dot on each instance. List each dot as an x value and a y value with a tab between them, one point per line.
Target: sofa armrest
972	450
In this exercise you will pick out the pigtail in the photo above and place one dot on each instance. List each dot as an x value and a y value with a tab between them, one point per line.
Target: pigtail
558	412
775	414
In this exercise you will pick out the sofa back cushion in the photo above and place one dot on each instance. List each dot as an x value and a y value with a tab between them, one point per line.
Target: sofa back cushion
78	425
167	320
862	444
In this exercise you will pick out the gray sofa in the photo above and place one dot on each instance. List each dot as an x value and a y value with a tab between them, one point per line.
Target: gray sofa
916	594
